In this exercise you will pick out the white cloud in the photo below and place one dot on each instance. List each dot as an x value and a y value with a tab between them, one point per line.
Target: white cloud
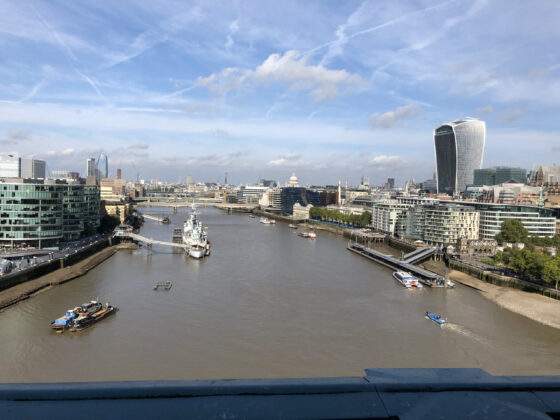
292	160
386	160
64	152
291	69
391	118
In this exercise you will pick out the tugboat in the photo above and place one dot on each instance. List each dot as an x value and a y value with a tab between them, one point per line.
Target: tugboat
435	317
87	320
407	279
70	317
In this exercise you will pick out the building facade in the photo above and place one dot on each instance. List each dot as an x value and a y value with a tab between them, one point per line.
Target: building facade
13	166
250	194
390	217
442	224
45	213
91	168
459	147
538	221
499	175
301	212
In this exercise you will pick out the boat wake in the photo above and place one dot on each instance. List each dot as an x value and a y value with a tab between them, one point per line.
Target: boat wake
466	333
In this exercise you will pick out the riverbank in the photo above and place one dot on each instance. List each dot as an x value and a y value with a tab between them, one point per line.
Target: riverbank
29	288
530	305
534	306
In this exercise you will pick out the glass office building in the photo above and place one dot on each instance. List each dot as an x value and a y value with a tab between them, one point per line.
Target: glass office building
42	214
499	175
459	147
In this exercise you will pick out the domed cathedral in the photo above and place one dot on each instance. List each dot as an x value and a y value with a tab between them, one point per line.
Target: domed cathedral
293	181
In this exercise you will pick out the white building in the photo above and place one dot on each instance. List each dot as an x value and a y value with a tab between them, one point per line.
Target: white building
491	222
301	212
538	221
442	223
389	216
250	194
13	166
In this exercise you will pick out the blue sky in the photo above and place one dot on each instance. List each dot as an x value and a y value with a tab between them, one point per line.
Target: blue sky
328	89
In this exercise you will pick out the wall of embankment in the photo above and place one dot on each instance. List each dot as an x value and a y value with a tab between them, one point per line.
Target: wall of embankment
21	276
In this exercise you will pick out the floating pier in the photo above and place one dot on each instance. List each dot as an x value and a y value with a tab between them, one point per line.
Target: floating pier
427	277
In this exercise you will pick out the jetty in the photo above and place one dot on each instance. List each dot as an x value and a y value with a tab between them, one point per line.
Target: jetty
396	264
160	219
148	241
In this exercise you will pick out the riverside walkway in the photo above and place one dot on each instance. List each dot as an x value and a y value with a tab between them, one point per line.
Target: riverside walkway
419	255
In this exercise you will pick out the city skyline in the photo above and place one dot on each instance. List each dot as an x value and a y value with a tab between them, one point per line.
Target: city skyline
170	90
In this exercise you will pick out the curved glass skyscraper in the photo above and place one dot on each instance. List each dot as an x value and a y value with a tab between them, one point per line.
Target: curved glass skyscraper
103	166
459	151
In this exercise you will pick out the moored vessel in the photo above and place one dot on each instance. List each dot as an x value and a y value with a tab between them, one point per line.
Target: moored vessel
308	235
195	237
77	318
266	221
88	319
407	279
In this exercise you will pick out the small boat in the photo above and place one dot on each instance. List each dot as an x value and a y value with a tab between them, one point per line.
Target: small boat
252	216
69	318
165	285
64	321
165	220
291	225
407	279
308	235
266	221
437	318
87	320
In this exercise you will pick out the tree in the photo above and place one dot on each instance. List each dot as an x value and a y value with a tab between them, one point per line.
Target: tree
512	231
551	272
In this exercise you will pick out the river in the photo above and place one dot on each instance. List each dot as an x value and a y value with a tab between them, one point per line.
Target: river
266	303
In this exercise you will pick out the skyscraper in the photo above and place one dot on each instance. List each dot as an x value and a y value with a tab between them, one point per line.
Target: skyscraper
91	168
459	149
103	166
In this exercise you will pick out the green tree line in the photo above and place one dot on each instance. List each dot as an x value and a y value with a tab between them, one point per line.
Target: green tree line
330	215
529	262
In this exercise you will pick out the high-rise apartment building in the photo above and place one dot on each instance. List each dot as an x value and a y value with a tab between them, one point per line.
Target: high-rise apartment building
459	147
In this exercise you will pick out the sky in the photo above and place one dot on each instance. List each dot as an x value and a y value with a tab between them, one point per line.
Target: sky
330	90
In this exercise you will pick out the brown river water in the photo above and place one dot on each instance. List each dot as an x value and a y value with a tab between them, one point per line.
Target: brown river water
266	303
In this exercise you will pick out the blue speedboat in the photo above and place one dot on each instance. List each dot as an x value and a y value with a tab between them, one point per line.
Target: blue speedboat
437	318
